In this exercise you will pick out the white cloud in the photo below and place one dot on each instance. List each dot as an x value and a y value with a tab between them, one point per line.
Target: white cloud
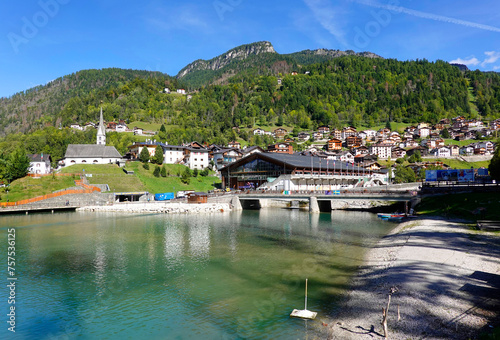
328	17
496	68
471	61
492	57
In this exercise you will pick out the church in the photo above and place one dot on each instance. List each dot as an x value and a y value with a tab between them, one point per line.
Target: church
97	153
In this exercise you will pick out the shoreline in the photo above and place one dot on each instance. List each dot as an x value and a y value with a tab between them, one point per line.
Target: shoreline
445	278
160	207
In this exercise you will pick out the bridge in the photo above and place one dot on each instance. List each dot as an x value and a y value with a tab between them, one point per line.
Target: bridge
327	200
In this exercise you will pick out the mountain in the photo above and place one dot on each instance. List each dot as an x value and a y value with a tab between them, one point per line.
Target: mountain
257	58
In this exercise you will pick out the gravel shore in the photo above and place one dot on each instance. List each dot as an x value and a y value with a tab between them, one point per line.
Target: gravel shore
444	278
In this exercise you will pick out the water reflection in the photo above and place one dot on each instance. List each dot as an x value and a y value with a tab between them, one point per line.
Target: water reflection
236	274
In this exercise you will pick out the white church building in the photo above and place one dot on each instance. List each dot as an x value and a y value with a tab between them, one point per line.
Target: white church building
97	153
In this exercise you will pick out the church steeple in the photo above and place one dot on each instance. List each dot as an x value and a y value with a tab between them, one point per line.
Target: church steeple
101	131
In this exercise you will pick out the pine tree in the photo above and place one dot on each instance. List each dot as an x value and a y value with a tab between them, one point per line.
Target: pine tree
144	155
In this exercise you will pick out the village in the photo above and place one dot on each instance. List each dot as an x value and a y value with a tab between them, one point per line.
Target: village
369	150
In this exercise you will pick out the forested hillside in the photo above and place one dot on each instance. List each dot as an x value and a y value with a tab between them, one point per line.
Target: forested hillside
73	97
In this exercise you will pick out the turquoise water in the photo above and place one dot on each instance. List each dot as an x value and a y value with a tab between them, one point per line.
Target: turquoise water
224	276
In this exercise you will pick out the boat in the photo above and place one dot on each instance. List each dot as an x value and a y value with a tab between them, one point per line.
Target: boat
391	217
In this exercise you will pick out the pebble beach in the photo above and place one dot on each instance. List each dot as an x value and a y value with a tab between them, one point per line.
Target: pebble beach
443	278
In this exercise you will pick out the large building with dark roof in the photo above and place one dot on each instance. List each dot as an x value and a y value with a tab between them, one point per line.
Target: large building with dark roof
296	172
97	153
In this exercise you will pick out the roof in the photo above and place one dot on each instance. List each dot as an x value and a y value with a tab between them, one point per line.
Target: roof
91	150
39	157
295	161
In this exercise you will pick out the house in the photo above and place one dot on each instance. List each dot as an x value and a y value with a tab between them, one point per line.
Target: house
76	127
334	144
280	132
382	150
346	156
361	150
111	126
89	125
251	150
423	132
398	152
336	133
181	91
441	152
324	129
353	142
317	135
348	132
303	136
395	137
39	164
138	131
280	148
234	144
227	156
196	157
121	126
424	151
488	146
365	158
467	150
370	134
454	150
259	132
173	154
136	148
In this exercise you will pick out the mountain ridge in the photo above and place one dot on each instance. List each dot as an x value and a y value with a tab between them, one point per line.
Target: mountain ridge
259	55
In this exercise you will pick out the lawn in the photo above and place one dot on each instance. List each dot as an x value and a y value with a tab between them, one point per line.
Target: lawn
29	187
171	183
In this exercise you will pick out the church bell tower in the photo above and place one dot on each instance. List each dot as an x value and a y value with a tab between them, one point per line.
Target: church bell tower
101	131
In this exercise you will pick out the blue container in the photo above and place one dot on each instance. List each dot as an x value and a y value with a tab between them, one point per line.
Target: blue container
164	197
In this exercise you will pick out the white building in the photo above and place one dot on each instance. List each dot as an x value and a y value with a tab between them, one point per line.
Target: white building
383	151
40	164
97	153
173	154
196	158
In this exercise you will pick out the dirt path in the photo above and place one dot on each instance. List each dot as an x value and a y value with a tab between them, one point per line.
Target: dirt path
445	278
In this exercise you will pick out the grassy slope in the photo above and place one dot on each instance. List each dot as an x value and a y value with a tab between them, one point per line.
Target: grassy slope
28	187
471	206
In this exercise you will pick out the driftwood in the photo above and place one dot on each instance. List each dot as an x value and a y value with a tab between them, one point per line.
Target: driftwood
385	312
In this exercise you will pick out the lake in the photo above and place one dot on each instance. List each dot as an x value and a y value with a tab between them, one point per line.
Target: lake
220	276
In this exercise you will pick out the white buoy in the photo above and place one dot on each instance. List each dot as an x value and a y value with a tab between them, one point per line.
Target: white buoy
304	313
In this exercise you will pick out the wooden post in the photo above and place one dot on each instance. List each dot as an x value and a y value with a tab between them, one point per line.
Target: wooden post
385	312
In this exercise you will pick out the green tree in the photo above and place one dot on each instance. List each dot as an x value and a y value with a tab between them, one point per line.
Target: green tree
195	173
404	175
494	166
204	172
158	157
17	165
163	171
415	158
186	176
162	128
157	171
445	133
144	155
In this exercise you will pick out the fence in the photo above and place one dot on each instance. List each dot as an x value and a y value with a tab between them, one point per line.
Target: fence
87	189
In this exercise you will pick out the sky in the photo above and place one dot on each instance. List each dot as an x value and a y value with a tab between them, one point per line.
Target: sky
41	40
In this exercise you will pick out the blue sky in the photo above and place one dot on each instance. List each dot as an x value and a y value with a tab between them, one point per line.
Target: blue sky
41	40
